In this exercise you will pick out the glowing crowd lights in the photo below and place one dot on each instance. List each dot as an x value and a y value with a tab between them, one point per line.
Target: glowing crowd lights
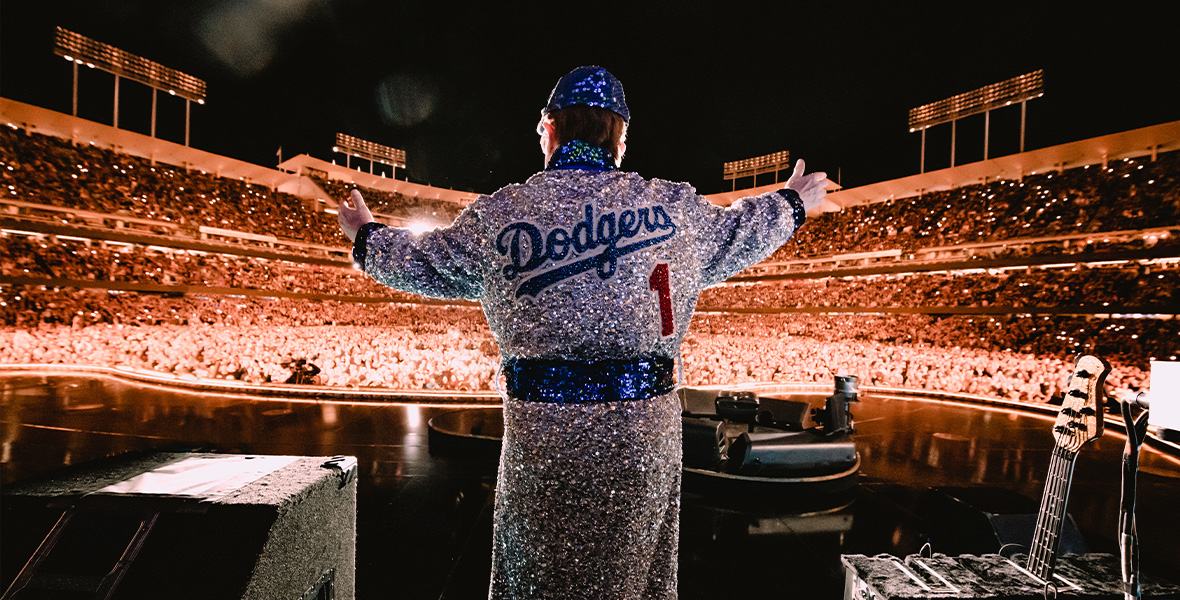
80	49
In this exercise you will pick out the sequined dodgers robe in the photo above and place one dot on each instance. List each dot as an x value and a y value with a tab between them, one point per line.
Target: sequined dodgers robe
566	266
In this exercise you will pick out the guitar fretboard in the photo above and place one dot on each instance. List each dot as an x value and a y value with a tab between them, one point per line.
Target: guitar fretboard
1043	551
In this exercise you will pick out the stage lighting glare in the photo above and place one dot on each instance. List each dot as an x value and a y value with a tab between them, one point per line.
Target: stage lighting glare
419	227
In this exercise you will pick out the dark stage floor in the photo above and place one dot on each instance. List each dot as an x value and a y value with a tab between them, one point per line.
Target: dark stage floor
424	526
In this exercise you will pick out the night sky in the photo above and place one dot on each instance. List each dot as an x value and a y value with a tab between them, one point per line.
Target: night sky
459	86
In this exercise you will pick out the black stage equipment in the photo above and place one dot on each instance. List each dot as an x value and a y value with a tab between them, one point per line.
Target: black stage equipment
989	576
771	454
738	407
1049	568
836	417
778	453
1128	536
766	437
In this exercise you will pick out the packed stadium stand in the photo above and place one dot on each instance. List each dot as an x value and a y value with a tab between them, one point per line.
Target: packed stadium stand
1126	195
39	169
110	258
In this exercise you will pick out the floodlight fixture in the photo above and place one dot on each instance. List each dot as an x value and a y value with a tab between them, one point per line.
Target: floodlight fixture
371	151
770	163
983	100
78	48
989	97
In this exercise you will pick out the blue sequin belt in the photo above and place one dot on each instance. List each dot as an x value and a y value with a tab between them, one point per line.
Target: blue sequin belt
589	382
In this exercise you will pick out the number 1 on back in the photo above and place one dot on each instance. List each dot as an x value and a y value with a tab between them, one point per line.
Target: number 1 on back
658	282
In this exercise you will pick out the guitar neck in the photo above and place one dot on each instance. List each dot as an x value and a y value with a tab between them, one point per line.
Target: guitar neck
1043	552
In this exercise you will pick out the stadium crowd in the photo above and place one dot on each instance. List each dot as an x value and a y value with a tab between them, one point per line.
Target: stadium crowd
201	333
1128	194
1123	285
78	260
251	339
1126	285
47	170
450	347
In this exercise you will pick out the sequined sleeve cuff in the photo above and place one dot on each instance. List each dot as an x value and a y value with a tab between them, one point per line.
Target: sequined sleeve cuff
360	245
798	211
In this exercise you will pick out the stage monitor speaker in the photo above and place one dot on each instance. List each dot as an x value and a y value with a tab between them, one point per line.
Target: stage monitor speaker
798	453
184	525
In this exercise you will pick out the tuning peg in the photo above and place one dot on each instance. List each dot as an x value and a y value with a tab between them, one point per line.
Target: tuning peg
1078	394
1087	411
1084	374
1060	429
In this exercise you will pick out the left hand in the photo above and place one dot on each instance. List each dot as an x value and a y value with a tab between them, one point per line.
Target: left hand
811	187
354	217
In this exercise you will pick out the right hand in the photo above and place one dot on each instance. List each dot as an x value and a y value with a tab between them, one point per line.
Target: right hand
811	187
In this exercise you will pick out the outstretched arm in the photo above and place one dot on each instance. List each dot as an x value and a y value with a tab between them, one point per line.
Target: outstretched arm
443	263
751	229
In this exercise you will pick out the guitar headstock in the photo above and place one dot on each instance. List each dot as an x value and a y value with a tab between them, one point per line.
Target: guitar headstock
1080	419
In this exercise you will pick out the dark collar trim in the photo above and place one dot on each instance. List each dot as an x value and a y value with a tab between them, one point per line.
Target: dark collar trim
578	154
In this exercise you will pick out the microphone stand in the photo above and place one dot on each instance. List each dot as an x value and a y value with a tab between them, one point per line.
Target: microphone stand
1128	540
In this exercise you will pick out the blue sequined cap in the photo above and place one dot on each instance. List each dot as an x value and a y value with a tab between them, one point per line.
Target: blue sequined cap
591	86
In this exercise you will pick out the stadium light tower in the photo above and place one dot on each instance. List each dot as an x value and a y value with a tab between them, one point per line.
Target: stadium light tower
79	49
983	100
370	151
756	166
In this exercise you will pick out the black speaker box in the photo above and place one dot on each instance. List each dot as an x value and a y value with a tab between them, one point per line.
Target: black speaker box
184	525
